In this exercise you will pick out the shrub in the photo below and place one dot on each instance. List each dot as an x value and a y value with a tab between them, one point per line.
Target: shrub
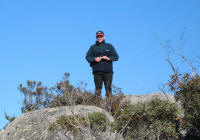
94	121
156	119
35	95
187	90
98	121
9	118
67	95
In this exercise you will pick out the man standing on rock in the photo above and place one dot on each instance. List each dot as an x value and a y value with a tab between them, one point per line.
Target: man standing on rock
100	56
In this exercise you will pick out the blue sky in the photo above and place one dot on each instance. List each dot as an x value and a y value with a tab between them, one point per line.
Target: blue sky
42	39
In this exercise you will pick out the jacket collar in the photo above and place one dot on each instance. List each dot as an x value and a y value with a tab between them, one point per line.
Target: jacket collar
98	44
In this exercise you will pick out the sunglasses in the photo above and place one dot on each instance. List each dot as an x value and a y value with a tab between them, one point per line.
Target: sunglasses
99	36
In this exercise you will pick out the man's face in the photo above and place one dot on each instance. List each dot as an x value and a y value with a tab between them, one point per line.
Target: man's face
100	38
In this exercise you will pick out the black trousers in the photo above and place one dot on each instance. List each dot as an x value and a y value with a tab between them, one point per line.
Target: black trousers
99	79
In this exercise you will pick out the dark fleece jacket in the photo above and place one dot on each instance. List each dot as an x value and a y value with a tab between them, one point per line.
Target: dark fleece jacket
99	50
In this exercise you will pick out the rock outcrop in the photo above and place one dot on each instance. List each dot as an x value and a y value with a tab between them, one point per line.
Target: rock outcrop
140	99
135	99
34	125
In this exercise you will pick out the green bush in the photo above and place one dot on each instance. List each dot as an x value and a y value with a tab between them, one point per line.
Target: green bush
156	119
98	121
187	91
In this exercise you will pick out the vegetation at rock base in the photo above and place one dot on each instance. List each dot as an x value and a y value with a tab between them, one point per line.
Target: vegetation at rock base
94	121
156	119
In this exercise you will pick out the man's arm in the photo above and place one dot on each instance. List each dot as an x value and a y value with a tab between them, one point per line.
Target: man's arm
114	56
90	56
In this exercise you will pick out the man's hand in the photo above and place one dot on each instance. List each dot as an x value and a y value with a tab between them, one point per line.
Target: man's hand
97	59
106	58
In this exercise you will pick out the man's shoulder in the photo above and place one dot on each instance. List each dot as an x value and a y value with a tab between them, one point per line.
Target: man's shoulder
92	46
109	44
